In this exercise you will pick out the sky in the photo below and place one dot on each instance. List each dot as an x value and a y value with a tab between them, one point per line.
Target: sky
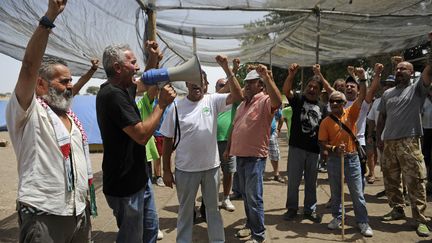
10	69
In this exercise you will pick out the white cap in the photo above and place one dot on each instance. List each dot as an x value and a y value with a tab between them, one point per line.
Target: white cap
252	75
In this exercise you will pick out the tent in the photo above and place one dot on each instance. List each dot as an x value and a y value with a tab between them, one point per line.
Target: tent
269	31
3	104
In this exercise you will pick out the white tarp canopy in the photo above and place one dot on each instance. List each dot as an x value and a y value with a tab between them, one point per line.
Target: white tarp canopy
249	29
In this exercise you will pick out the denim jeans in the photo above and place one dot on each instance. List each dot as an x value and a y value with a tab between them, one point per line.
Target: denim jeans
302	162
136	216
187	184
352	172
250	172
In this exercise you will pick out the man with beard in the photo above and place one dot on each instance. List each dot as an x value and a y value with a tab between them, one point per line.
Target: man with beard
126	183
50	144
400	109
303	156
197	160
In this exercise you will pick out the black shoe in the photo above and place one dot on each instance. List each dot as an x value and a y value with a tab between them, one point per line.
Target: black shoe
290	214
380	194
314	217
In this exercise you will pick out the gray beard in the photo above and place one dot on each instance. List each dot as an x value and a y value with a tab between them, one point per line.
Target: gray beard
60	101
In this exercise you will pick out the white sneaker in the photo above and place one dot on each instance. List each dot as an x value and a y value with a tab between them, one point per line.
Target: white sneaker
159	182
365	229
226	203
335	223
160	235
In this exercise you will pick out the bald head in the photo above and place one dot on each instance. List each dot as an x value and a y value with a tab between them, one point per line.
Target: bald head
220	84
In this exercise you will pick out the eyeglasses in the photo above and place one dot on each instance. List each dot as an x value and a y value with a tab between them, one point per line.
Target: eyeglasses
336	101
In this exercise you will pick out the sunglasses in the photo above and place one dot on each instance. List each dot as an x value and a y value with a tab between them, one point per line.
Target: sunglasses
336	101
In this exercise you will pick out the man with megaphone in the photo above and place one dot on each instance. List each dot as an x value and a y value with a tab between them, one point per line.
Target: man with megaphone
197	161
126	183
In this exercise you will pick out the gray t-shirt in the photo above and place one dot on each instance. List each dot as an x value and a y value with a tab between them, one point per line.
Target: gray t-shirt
402	107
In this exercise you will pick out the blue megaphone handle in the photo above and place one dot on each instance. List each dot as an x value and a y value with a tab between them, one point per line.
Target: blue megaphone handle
155	76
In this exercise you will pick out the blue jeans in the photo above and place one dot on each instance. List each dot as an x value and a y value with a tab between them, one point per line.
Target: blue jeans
353	178
250	172
302	162
136	216
187	184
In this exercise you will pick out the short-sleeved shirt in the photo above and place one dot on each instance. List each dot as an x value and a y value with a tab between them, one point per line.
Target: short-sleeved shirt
361	121
287	114
224	122
197	149
41	173
374	113
335	135
402	107
123	166
146	109
305	122
251	128
277	116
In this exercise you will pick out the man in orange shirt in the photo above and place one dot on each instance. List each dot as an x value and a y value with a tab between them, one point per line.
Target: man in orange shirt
335	141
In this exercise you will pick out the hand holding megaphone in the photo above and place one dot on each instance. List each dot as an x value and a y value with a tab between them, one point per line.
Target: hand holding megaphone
189	71
167	95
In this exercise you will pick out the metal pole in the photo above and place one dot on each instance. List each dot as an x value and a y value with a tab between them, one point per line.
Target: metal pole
194	45
342	195
318	15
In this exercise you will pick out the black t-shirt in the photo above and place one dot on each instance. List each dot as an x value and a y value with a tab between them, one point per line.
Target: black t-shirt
124	160
305	121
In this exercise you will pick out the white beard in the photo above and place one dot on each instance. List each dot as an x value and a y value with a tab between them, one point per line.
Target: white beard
58	100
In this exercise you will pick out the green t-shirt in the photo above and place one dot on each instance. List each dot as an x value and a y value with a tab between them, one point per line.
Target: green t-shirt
224	123
287	114
146	108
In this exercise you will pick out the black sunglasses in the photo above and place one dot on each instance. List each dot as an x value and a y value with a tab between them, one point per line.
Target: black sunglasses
336	101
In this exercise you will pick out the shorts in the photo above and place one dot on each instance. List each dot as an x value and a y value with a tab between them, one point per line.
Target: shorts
274	153
226	166
159	144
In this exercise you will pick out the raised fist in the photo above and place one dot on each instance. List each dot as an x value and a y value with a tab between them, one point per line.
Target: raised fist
293	68
378	68
316	69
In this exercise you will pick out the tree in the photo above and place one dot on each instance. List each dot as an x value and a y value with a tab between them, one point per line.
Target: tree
92	90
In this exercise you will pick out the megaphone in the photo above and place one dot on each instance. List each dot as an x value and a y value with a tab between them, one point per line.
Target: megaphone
189	71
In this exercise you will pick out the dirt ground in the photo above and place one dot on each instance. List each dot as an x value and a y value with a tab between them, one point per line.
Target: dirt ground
278	230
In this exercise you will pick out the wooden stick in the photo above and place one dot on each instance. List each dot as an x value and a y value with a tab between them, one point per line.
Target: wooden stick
342	194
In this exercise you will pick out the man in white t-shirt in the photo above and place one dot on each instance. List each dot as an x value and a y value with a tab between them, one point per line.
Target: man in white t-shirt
197	160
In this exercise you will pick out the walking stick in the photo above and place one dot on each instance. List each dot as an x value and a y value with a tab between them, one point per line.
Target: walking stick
343	198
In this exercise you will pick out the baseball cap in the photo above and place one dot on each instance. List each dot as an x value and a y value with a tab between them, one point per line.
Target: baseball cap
350	79
252	75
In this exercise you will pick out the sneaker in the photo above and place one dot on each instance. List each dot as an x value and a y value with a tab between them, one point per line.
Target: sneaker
395	214
334	224
290	214
243	233
365	229
160	235
422	230
159	181
314	217
226	203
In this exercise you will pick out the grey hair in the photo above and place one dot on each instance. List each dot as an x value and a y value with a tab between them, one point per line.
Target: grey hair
46	70
112	54
337	93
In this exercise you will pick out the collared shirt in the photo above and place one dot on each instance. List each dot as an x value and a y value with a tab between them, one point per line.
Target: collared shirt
41	172
335	135
251	130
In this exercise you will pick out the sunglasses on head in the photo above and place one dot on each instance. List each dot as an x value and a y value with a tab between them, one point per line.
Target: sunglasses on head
338	101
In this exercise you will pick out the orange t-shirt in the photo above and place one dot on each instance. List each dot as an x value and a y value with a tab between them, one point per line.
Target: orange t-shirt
335	135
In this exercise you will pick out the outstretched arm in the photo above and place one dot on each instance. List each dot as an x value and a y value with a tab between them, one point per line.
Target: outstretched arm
25	86
427	72
272	90
287	86
86	77
378	68
361	74
317	71
236	95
